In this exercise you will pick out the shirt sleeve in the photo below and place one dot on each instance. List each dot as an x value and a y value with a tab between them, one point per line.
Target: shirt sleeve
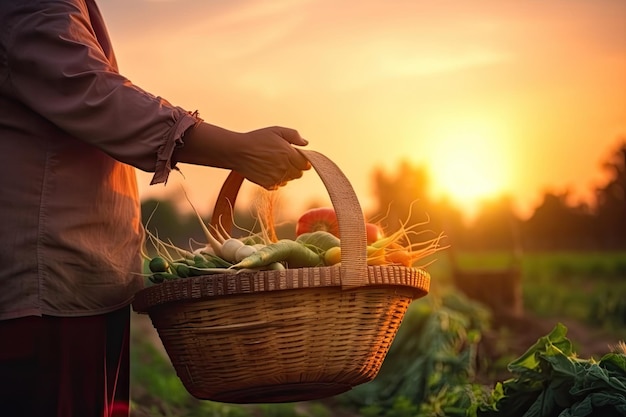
58	68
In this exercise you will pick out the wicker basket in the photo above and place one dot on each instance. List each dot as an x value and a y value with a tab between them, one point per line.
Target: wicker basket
282	336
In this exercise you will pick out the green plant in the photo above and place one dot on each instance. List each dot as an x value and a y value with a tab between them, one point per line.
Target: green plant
279	410
433	354
318	410
151	371
550	381
402	407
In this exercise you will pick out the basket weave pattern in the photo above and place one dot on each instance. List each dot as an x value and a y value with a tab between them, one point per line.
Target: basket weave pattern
280	336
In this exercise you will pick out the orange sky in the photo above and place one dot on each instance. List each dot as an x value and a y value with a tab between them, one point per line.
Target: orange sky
493	97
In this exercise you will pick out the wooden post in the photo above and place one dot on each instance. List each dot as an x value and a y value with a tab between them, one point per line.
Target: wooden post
500	290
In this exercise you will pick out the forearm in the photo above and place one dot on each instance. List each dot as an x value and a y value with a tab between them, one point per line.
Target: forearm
209	145
264	156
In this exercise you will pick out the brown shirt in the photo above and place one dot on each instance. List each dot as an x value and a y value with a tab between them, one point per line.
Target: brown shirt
72	129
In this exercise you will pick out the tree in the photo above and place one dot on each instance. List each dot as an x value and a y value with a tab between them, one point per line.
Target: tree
400	192
496	226
611	201
557	225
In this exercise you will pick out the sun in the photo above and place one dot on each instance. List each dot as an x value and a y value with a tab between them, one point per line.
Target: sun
467	165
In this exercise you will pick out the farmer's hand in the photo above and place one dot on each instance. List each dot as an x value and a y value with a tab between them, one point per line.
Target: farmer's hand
269	159
266	156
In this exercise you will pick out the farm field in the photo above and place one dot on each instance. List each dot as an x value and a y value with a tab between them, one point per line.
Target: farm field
586	292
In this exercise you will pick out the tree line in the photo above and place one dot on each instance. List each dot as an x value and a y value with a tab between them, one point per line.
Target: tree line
555	224
403	196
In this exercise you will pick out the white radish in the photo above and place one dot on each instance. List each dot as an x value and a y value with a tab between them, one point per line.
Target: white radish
244	251
229	248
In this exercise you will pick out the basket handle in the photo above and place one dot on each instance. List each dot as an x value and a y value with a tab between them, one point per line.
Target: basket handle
345	202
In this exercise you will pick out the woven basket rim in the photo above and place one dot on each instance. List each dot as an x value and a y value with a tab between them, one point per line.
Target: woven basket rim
416	280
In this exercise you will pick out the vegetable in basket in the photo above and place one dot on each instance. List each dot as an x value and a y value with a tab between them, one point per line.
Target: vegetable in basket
325	219
317	244
318	219
293	253
163	267
395	249
319	241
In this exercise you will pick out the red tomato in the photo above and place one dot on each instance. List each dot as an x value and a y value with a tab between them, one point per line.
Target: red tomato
373	233
313	220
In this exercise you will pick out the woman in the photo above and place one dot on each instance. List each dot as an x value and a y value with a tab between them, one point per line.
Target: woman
72	131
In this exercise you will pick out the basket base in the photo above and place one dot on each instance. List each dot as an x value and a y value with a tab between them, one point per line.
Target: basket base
283	393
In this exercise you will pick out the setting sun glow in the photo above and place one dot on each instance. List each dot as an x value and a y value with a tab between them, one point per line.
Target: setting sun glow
468	165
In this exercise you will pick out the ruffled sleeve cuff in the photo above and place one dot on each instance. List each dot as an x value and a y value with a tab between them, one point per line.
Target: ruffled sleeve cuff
173	140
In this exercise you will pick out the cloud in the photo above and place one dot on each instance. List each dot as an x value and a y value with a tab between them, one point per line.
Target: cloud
298	45
249	15
340	51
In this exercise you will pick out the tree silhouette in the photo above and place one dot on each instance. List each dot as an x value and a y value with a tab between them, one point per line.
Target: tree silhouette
611	201
557	225
400	192
496	226
404	196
